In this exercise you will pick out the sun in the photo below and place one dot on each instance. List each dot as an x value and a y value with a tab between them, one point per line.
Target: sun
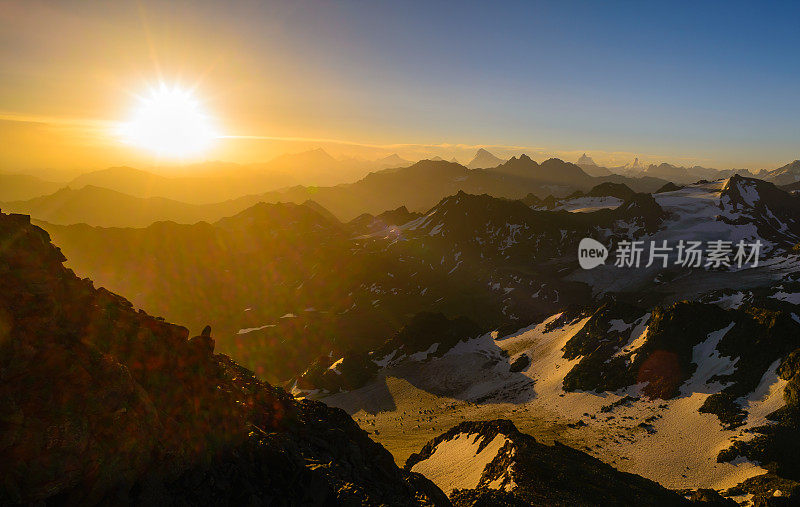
170	122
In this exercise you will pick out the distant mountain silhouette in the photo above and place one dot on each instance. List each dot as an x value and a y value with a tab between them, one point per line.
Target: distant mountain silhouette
589	166
106	208
393	160
668	187
670	172
550	171
315	157
786	175
418	187
18	187
632	169
635	165
422	185
685	175
609	189
585	160
212	182
484	160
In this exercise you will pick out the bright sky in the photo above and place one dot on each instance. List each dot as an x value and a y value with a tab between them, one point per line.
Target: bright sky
713	83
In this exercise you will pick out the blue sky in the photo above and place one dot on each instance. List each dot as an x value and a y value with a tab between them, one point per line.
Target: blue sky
717	80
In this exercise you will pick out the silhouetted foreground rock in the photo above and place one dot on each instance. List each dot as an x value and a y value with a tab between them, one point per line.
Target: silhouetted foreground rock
100	403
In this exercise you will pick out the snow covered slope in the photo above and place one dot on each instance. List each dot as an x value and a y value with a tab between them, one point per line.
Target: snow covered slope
737	209
459	462
660	393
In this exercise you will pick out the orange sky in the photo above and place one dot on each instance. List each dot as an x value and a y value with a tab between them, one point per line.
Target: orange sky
290	76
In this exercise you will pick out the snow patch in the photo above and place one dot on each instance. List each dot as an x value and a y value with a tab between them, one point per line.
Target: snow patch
335	366
709	363
421	356
457	463
251	329
789	297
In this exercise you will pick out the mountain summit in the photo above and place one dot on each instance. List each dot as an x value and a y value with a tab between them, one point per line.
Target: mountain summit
589	166
585	160
786	175
393	160
484	160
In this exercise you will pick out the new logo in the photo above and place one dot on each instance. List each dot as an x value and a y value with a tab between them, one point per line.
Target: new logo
591	253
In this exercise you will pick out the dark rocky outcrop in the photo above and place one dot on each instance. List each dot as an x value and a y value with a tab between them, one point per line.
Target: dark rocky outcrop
772	210
609	189
356	368
367	224
550	171
426	329
668	187
757	337
644	208
532	201
776	446
103	404
350	372
520	364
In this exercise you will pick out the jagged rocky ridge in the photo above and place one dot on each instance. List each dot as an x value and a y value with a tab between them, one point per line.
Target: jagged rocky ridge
100	403
493	463
774	212
369	224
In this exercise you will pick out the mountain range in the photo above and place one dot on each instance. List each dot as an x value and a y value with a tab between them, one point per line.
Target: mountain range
418	187
471	255
414	323
782	176
103	404
220	190
210	182
398	262
217	181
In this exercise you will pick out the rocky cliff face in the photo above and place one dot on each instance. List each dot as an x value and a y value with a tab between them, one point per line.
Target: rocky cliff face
100	403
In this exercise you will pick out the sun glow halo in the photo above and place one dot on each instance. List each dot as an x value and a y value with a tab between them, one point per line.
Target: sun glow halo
170	122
